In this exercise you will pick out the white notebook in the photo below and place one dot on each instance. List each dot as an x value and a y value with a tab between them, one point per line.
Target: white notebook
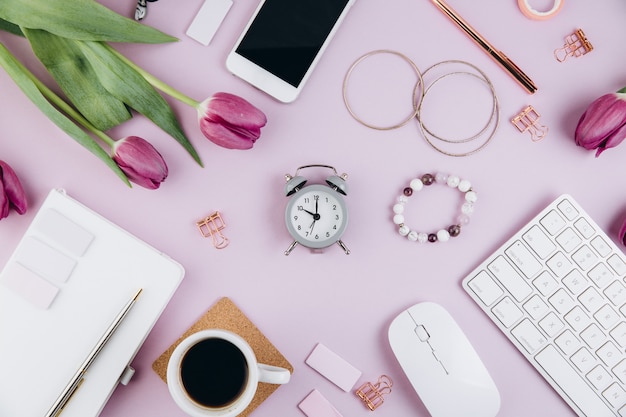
67	279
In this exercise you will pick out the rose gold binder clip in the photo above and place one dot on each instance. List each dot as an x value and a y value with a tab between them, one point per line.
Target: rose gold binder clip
212	226
372	394
528	121
576	45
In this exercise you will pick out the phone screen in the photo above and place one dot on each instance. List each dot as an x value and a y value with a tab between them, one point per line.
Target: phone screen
286	35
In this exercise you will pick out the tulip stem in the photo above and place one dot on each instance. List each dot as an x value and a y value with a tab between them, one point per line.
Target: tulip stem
154	81
622	91
66	108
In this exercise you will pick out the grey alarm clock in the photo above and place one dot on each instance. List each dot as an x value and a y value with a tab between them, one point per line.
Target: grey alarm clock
316	215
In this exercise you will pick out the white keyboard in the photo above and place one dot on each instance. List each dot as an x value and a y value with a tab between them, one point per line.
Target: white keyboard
557	290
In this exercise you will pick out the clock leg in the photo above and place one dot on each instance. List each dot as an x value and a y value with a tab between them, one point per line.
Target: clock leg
343	246
290	248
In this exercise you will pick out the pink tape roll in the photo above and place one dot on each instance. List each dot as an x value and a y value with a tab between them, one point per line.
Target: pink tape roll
531	13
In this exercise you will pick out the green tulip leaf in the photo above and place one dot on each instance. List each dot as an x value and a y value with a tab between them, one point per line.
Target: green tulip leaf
10	27
128	85
79	19
29	84
65	61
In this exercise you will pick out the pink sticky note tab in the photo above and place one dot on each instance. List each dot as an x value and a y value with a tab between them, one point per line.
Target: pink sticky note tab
316	405
29	285
333	367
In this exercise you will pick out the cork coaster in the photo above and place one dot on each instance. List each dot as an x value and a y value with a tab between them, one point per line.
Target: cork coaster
225	315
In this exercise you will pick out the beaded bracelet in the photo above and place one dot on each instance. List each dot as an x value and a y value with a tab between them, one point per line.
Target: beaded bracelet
442	235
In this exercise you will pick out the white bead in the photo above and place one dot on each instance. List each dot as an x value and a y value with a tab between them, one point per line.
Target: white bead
402	199
453	181
398	208
443	235
416	184
403	230
441	177
412	236
471	196
464	186
398	219
422	237
463	219
467	208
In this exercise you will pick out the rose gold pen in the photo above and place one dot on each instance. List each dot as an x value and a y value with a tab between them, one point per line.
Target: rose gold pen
496	55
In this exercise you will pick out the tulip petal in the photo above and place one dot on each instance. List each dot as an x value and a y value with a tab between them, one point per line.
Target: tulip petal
622	233
603	117
612	140
234	110
223	136
13	188
4	202
141	162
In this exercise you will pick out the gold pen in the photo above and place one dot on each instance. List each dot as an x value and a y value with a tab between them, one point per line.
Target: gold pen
496	55
78	377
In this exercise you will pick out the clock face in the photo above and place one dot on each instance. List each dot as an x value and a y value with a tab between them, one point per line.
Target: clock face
316	216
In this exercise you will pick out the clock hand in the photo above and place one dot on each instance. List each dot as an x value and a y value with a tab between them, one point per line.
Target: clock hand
307	211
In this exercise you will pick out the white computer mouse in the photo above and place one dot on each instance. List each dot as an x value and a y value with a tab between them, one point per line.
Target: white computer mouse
441	364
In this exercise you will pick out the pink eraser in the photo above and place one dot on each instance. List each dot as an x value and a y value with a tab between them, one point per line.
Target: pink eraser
333	367
29	285
316	405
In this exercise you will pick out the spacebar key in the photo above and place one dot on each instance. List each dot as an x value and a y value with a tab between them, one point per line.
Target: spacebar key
571	383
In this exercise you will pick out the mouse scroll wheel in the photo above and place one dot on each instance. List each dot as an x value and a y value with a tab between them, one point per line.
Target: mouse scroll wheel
421	333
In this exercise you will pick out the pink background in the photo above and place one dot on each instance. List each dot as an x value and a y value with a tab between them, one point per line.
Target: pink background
345	302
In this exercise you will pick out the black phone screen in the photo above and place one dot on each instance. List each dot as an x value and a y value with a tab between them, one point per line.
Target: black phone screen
286	35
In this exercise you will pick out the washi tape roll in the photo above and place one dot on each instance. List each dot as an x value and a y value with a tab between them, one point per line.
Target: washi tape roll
531	13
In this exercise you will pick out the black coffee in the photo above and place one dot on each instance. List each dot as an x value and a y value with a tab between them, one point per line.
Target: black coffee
214	372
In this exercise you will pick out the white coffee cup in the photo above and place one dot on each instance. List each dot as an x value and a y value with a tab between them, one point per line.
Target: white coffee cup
219	350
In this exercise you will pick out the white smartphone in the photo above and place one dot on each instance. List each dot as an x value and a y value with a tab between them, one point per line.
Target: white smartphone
283	42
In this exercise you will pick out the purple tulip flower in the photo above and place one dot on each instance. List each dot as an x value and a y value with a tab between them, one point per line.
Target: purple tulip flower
140	161
230	121
622	233
603	125
11	192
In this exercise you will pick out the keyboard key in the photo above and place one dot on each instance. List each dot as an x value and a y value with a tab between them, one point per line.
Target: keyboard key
536	307
578	319
568	240
599	377
593	336
551	324
568	210
507	312
529	336
609	354
583	360
545	283
584	228
561	301
617	264
576	282
567	342
619	334
485	288
600	246
552	222
620	371
585	258
615	395
539	242
560	265
607	317
601	275
510	278
616	292
565	377
523	259
591	299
